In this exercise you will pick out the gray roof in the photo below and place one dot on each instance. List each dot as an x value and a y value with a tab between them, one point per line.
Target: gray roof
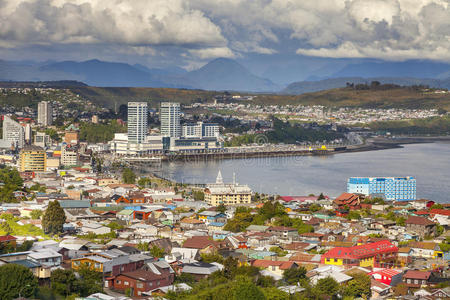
75	203
200	268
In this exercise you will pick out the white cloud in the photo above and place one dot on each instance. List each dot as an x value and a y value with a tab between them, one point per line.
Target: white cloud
208	53
205	29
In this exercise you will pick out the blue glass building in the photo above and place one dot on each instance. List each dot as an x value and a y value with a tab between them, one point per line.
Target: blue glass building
389	188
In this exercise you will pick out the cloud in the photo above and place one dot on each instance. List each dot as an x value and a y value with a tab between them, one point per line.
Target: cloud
197	30
209	53
137	22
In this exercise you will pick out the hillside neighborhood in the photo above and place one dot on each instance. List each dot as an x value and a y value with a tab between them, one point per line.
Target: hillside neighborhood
148	238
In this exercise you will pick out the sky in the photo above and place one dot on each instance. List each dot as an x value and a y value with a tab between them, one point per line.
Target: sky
189	33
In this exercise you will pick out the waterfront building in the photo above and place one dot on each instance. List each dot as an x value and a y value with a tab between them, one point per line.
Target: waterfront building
389	188
32	158
137	121
152	144
170	119
45	113
200	130
227	193
13	133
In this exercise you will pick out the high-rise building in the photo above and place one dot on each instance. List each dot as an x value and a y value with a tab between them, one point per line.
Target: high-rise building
137	121
170	119
13	132
32	158
45	113
200	130
389	188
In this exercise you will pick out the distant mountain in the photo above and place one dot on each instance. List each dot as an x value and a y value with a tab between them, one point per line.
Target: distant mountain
301	87
409	68
99	73
227	74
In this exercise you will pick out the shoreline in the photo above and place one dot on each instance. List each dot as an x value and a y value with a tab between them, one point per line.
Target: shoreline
372	144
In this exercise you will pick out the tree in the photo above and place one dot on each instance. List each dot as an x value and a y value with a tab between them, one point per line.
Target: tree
437	206
198	195
280	252
272	293
359	286
244	288
155	251
63	281
230	267
185	278
293	276
321	197
36	214
54	218
128	176
90	282
221	208
326	286
353	215
16	280
144	182
143	246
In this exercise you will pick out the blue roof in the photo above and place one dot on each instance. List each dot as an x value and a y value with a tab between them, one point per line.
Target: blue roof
218	224
27	263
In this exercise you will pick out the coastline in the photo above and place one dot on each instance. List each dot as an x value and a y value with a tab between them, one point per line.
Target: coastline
372	144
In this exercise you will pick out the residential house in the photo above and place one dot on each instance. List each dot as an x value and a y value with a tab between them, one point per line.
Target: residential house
377	254
404	256
420	225
110	262
200	270
379	290
40	271
141	281
417	279
348	201
205	244
8	241
282	232
190	224
208	217
390	277
46	257
426	250
273	266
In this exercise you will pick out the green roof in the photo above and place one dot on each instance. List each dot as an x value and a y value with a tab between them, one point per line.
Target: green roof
125	212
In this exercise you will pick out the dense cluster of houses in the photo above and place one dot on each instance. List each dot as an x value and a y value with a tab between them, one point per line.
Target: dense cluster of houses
185	230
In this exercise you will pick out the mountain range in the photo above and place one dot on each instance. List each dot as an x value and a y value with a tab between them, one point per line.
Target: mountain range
226	74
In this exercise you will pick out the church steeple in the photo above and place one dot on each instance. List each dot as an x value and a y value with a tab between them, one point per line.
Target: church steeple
219	179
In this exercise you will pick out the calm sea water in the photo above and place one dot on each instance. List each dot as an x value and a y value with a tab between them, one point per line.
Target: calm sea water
303	175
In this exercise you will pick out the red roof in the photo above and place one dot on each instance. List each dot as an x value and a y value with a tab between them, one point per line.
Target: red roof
362	251
386	272
418	221
417	274
198	242
436	211
7	238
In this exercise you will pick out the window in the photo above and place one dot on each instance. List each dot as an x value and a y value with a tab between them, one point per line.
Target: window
76	263
118	281
126	283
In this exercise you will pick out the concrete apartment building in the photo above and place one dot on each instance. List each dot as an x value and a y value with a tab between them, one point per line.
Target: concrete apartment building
45	113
